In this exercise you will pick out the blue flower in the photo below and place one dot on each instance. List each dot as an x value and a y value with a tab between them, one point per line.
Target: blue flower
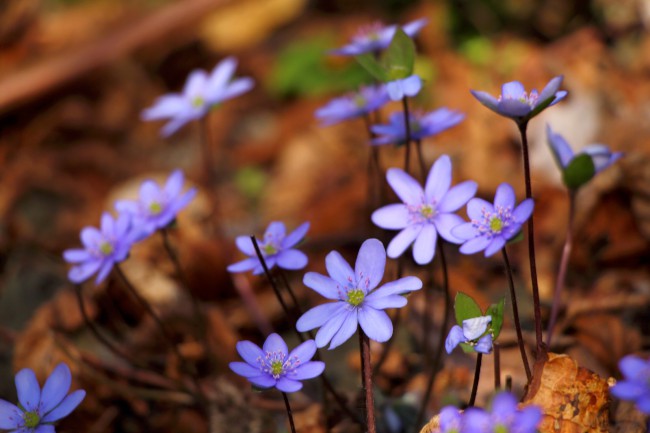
409	86
474	332
376	37
635	385
273	366
491	225
505	416
102	248
515	103
202	92
157	207
449	420
367	100
425	214
600	154
276	247
39	409
358	300
421	125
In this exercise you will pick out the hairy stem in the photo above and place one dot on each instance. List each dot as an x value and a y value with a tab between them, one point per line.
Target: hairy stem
366	367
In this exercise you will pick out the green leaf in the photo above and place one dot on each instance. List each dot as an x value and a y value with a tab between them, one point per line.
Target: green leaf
579	171
399	58
372	65
465	308
496	311
467	348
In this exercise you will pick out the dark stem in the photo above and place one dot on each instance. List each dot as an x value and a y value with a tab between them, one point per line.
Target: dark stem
497	366
441	338
508	383
289	413
541	349
561	275
366	367
423	167
407	139
477	375
292	295
515	313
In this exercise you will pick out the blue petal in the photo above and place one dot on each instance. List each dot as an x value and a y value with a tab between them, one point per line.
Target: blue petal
405	186
245	370
164	107
527	420
195	84
395	91
484	344
104	270
338	268
504	197
67	405
561	150
318	316
495	245
445	223
504	404
285	384
292	259
401	242
383	302
411	85
513	108
551	89
412	28
295	236
236	88
10	415
475	245
485	99
634	368
477	206
56	387
325	286
627	390
28	389
370	264
219	77
523	211
397	287
262	381
512	90
375	323
457	196
177	123
476	421
465	231
308	370
449	419
438	180
304	351
391	217
44	428
346	329
331	326
82	272
275	230
249	351
454	338
245	245
476	326
90	237
643	404
275	343
424	247
244	266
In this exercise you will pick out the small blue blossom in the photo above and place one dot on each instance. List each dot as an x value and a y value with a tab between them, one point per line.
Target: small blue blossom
273	366
449	420
635	385
505	416
421	125
39	409
409	86
515	103
600	154
473	333
366	100
157	207
424	213
201	93
276	247
102	248
491	225
376	37
358	300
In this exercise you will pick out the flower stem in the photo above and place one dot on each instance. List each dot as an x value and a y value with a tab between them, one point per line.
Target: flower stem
477	375
274	286
541	348
515	314
407	139
289	413
496	350
564	263
366	376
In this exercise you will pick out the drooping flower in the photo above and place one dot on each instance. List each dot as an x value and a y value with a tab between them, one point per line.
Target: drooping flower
421	125
273	366
157	207
519	105
39	409
491	225
376	37
409	86
635	385
474	332
201	93
366	100
276	247
102	248
425	213
357	299
505	416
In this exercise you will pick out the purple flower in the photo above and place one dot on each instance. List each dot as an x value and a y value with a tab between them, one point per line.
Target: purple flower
635	385
376	37
277	248
449	420
157	207
273	366
474	332
39	409
102	248
516	103
367	100
425	214
200	94
357	298
492	226
421	125
409	86
600	154
504	417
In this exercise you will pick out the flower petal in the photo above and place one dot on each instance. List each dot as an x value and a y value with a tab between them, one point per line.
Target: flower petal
304	351
56	387
67	405
44	428
454	338
249	351
28	389
505	196
347	329
285	384
262	381
309	370
325	286
195	84
475	245
438	180
10	415
80	273
333	326
275	230
219	77
370	264
484	344
383	302
476	326
237	87
633	367
406	188
513	108
561	150
104	270
424	247
465	231
495	245
524	210
244	266
445	223
177	123
395	91
391	217
376	324
411	85
397	287
477	206
292	259
457	196
512	90
275	343
295	236
401	242
76	255
485	99
551	89
165	107
338	268
504	404
90	237
245	370
318	316
245	245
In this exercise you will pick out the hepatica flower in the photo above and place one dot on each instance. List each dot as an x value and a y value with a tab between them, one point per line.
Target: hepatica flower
366	100
492	225
505	416
102	248
635	385
519	105
474	332
376	37
276	247
157	207
39	409
273	366
357	298
201	93
421	125
409	86
424	213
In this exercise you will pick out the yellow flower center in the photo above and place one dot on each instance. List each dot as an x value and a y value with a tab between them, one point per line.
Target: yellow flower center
198	102
355	297
496	225
269	249
427	211
31	419
106	248
155	207
276	368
